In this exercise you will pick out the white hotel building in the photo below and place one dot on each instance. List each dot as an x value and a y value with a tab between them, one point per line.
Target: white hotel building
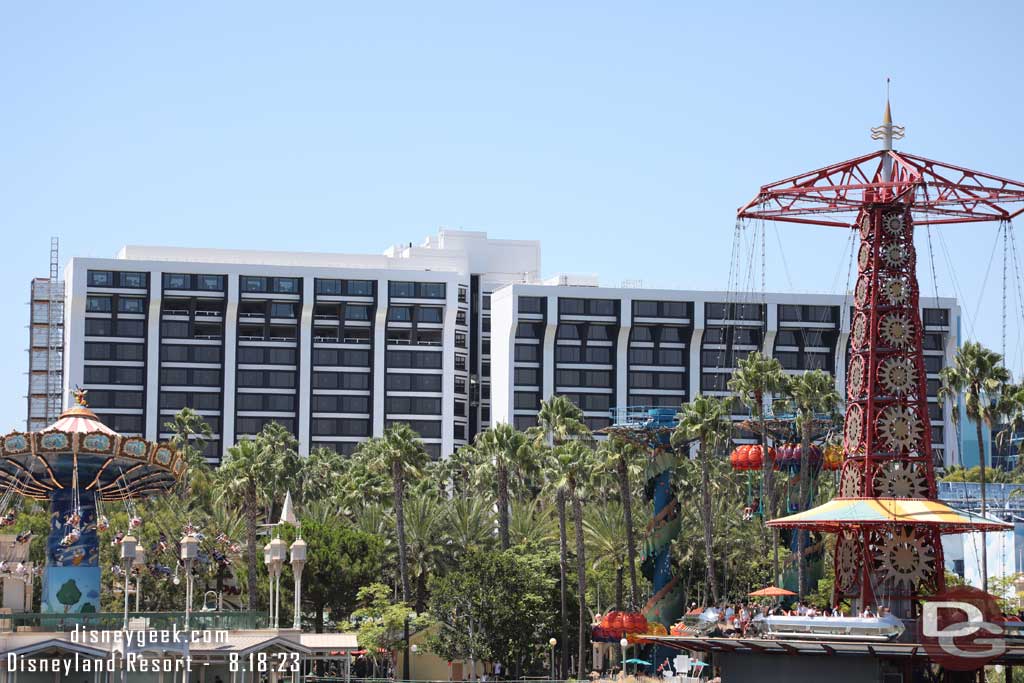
449	336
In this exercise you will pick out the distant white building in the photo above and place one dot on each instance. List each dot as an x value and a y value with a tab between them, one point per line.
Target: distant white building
449	336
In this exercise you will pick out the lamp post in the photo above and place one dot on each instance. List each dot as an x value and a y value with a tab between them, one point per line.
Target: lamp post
551	657
623	644
415	651
139	564
278	555
189	553
270	581
128	548
298	551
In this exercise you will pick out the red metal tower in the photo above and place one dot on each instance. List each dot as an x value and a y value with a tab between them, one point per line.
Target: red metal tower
886	516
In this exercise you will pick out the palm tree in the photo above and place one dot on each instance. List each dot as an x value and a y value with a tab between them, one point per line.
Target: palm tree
399	453
571	468
605	530
245	479
559	420
812	393
321	475
756	379
189	434
616	454
978	377
532	520
505	448
706	420
424	523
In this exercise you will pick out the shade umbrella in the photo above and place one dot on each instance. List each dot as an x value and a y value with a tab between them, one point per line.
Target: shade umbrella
771	592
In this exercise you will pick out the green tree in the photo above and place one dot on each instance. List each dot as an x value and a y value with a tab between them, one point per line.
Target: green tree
616	455
506	449
250	478
812	393
380	623
756	379
340	559
493	607
559	420
707	421
189	435
399	453
571	469
978	377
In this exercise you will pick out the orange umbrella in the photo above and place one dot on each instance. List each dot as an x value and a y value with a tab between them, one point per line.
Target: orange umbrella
771	592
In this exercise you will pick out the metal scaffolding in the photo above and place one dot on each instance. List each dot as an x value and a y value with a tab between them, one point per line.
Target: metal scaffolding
46	345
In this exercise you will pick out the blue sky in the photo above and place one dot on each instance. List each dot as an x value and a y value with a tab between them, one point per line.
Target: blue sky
622	135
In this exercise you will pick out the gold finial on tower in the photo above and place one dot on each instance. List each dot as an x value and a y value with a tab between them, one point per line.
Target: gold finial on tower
887	132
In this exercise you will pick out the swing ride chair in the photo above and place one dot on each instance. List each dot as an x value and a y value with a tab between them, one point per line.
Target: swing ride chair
887	517
77	464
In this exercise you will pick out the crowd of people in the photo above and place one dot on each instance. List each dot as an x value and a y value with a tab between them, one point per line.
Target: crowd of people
734	619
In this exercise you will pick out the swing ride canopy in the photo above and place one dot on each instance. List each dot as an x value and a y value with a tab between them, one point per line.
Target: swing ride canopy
840	513
80	452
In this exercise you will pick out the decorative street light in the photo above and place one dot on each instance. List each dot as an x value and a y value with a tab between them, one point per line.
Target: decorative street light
623	644
278	555
139	564
189	553
415	651
298	551
270	577
551	645
128	548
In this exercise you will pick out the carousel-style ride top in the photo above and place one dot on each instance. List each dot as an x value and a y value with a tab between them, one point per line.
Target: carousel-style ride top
78	464
887	517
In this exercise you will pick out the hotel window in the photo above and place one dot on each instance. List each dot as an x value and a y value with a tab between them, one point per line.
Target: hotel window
566	331
671	335
132	304
529	330
460	340
177	281
210	283
598	332
98	304
132	280
527	304
641	333
400	314
100	278
434	314
527	353
645	309
282	310
486	302
571	306
529	376
463	295
524	400
567	354
328	287
402	289
353	312
249	283
714	335
641	356
359	287
600	354
430	290
601	307
286	285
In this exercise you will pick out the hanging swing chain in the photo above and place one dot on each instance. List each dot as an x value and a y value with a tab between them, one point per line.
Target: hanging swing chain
1003	224
1017	277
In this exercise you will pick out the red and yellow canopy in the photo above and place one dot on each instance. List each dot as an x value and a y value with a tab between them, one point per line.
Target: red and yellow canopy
841	513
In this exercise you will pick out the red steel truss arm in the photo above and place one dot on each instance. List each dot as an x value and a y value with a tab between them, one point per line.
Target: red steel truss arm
937	193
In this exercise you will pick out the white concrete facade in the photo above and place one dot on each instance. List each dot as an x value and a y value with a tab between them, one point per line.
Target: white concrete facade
337	346
707	364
